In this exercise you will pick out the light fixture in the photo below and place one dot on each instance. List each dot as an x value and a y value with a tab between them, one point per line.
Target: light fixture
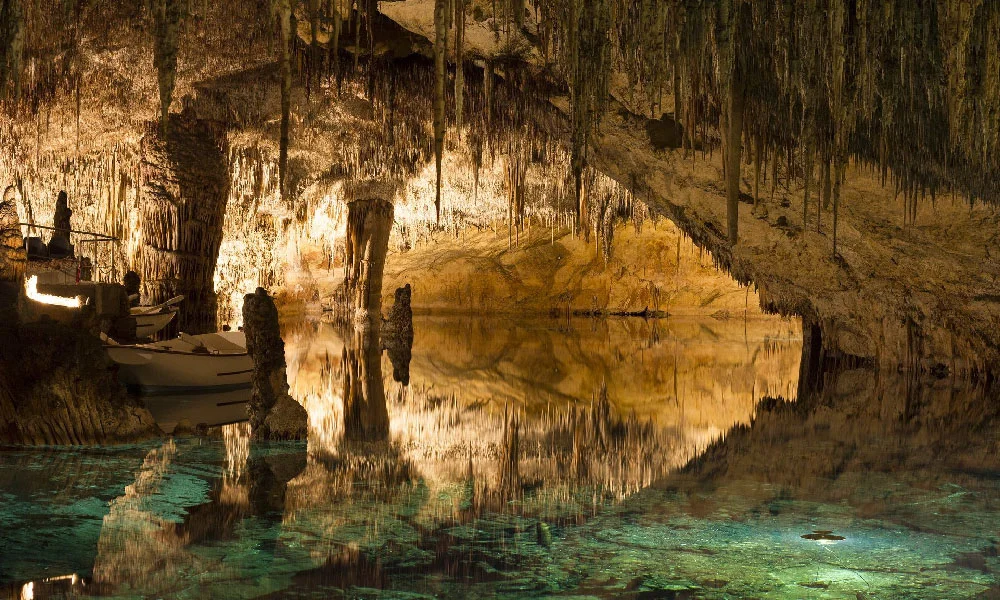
31	290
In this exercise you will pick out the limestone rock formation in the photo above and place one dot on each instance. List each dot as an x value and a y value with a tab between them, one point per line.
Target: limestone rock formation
58	386
184	191
12	256
369	223
272	414
59	245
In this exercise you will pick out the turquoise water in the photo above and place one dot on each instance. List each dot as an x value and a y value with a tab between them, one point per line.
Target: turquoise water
502	474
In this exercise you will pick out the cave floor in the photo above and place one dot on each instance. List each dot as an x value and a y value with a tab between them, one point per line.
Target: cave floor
648	466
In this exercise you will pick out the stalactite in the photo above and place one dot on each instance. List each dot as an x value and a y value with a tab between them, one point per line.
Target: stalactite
11	47
440	75
459	63
734	144
166	23
284	13
314	50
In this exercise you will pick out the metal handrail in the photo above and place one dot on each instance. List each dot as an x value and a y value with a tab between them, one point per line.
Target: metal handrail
98	237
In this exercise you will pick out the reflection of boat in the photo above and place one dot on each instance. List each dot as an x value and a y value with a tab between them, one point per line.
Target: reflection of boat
214	409
151	319
189	363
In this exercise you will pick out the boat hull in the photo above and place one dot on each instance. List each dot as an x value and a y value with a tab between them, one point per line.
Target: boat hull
154	371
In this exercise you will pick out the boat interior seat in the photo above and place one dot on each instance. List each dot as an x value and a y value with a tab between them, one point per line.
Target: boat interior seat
212	342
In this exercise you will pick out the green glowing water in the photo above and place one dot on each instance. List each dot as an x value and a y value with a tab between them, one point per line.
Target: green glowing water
907	473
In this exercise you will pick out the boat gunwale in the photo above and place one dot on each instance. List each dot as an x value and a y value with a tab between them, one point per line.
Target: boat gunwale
166	351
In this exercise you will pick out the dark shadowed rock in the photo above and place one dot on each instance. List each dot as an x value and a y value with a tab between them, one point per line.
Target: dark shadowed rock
272	415
58	386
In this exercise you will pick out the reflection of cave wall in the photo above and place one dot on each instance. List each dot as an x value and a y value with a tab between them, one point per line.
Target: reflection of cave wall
185	186
862	424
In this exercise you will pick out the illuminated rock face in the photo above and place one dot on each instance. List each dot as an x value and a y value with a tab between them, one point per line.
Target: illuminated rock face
12	254
369	223
911	286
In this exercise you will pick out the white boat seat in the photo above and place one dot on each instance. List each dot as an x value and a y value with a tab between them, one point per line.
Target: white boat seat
212	342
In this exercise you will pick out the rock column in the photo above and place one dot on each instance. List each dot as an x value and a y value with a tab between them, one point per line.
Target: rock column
185	185
369	223
273	413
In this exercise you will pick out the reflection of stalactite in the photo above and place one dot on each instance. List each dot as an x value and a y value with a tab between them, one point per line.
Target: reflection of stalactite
510	456
366	417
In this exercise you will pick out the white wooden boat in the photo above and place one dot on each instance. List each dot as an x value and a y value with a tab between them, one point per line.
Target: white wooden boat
151	319
212	362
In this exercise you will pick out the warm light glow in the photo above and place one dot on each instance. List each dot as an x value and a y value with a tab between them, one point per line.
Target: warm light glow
31	289
28	591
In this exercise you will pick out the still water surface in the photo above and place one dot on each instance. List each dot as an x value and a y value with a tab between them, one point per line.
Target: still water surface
573	458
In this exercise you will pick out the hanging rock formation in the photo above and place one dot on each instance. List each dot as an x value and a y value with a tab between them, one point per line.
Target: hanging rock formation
273	413
184	189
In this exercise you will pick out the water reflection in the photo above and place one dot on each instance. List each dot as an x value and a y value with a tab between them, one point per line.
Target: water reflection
597	458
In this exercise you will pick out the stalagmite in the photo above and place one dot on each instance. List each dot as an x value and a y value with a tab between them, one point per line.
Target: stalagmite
273	413
397	334
13	258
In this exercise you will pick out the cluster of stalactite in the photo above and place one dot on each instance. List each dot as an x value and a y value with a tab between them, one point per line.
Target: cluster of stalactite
910	89
102	188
